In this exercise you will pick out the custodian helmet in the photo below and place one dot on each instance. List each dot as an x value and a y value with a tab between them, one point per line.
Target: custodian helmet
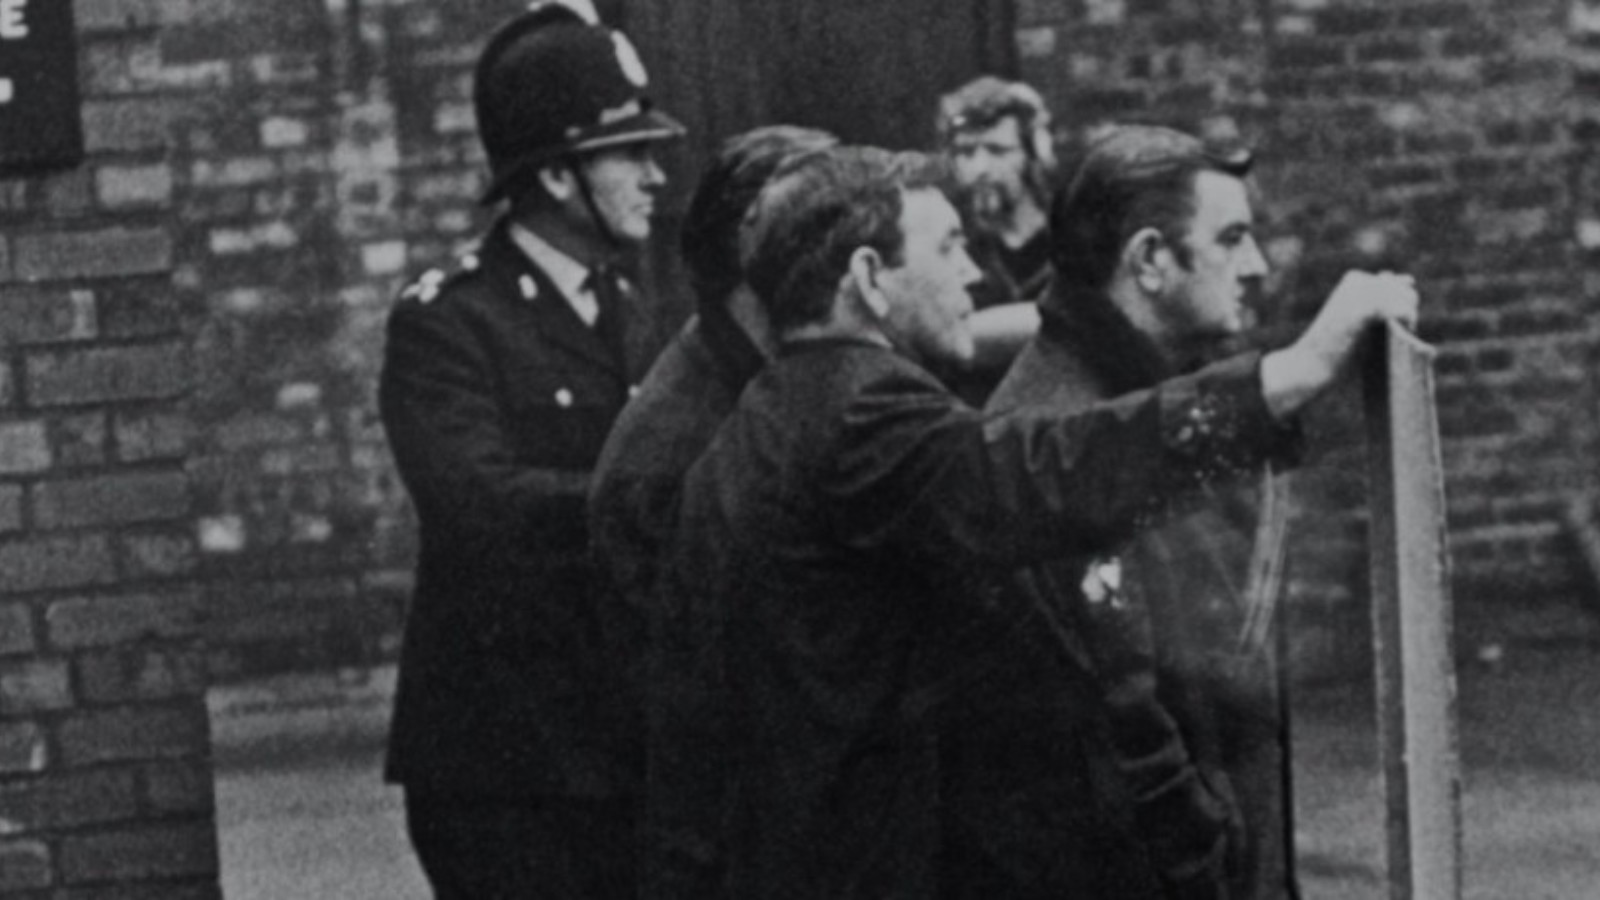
550	84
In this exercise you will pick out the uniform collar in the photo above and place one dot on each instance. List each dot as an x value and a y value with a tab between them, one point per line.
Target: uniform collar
568	275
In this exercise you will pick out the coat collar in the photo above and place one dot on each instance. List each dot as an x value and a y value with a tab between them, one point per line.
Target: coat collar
735	355
1089	323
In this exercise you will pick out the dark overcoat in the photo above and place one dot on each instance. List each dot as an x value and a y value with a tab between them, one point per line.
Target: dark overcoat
1189	574
496	398
834	554
633	513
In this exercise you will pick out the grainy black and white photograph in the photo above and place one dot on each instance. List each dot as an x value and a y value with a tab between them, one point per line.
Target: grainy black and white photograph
803	449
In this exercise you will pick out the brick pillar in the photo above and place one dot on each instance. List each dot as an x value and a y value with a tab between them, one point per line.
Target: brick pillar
105	775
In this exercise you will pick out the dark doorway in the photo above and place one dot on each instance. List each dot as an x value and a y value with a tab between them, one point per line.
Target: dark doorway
870	71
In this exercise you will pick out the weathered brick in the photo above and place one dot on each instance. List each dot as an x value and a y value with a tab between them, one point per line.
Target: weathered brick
180	787
79	440
1037	42
1442	14
34	686
282	608
108	621
140	854
135	733
25	865
16	629
10	508
284	131
30	314
234	172
132	309
1037	12
1391	50
68	800
158	555
111	499
24	748
56	562
125	187
106	253
141	437
126	125
1310	53
1349	21
141	674
68	195
24	447
113	373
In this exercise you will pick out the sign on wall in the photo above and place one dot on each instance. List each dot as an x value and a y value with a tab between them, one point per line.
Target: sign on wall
40	125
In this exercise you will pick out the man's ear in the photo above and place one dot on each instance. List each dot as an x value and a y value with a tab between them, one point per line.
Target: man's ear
1146	256
558	181
866	266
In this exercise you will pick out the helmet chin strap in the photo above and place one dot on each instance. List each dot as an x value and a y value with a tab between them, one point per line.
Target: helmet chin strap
612	239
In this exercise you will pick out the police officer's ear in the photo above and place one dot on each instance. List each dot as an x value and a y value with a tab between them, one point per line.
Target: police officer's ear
558	180
1147	258
866	269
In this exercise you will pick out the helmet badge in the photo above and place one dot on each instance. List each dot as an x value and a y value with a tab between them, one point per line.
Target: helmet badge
628	60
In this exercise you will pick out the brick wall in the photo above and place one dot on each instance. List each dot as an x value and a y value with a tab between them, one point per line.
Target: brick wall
1438	135
333	159
315	153
105	781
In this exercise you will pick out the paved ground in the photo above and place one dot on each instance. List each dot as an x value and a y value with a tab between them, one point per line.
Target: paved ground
302	813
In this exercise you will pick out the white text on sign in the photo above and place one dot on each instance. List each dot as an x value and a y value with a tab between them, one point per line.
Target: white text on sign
13	26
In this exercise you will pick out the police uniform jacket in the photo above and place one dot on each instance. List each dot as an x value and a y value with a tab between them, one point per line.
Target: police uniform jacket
496	398
831	551
1188	575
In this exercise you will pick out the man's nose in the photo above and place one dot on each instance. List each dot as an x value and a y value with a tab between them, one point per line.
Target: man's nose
971	274
654	175
1254	264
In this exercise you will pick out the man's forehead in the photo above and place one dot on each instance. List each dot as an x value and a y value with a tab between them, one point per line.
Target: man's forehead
928	209
1005	130
1221	199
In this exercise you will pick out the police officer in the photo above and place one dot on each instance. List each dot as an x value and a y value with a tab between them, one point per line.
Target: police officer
500	381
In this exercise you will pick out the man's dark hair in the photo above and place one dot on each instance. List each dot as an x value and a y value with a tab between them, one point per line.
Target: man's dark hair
816	212
728	186
1131	178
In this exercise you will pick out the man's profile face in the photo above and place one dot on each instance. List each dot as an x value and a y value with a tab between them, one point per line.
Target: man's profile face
991	166
1206	299
624	181
929	303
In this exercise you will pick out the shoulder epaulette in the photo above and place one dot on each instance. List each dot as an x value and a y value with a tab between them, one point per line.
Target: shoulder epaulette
428	285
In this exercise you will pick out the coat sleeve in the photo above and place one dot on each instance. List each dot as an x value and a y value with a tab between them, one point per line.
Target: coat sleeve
945	485
440	404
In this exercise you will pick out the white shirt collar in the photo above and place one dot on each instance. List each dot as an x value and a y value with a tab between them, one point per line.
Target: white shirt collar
570	276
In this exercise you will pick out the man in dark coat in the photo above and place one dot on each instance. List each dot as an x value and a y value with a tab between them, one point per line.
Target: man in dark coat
837	541
1155	258
633	497
695	382
500	382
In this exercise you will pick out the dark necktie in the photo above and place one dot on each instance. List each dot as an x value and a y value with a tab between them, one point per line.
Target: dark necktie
611	297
